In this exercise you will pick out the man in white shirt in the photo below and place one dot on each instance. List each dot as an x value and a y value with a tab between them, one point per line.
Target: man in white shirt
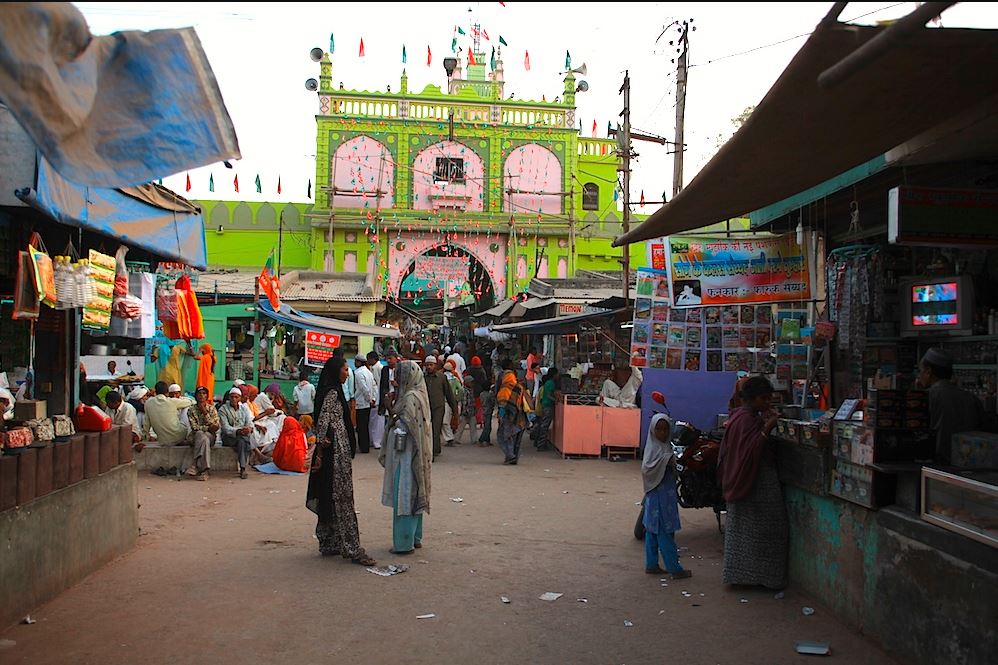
622	389
163	416
366	396
123	413
377	426
304	394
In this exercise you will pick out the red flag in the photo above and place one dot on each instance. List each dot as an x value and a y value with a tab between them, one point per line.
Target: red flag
502	3
526	60
595	129
642	198
235	183
188	182
471	57
429	56
270	284
362	47
278	184
486	35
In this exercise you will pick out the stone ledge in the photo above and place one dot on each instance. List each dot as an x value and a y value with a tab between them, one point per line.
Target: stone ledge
155	455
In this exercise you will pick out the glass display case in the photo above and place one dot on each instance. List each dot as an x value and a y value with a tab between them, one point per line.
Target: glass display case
966	504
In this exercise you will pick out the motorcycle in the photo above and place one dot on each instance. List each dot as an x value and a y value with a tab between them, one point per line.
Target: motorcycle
696	454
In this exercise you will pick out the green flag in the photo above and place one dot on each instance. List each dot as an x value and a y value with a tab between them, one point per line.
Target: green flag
461	31
492	60
568	60
453	45
332	44
502	41
403	54
211	182
259	187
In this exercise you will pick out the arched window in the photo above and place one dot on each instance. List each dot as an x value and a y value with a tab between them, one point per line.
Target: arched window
590	196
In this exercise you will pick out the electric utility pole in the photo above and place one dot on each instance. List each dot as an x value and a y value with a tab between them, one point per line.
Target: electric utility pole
624	145
681	69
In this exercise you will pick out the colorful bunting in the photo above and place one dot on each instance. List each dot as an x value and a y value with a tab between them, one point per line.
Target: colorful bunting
526	60
332	44
361	47
429	56
188	182
235	183
211	182
259	187
404	59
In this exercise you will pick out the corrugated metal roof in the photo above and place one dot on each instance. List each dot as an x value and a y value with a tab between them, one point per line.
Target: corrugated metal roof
295	286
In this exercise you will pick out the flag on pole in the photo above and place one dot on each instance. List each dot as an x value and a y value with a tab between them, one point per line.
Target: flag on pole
361	47
259	186
308	193
492	60
453	45
332	44
594	129
235	183
188	182
486	35
642	198
211	182
278	184
471	57
270	284
461	31
403	54
502	3
429	55
526	60
502	41
568	61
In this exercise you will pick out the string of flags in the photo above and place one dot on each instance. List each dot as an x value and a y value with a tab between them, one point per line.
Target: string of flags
258	182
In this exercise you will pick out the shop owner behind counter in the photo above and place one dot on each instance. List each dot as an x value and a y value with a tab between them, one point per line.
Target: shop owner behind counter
951	409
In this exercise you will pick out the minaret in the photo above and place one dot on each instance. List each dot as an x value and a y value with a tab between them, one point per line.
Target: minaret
570	88
325	74
404	84
497	75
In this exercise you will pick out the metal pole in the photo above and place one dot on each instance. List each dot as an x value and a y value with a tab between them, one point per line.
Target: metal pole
259	333
677	170
626	89
280	242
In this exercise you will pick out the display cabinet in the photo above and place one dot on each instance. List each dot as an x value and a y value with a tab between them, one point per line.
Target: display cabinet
966	504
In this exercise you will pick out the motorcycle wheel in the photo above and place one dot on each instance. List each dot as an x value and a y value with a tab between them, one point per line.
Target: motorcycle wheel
639	526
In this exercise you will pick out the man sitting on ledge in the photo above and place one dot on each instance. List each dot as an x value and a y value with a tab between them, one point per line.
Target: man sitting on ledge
163	416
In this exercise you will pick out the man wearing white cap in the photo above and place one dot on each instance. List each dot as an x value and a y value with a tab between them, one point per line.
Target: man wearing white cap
237	427
951	409
163	416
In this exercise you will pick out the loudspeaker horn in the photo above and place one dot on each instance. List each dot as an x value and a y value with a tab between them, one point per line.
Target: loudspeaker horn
311	85
581	69
315	54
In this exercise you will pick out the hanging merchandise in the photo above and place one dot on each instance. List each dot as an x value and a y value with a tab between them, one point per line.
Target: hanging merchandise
97	312
142	290
120	272
166	303
190	324
26	303
44	273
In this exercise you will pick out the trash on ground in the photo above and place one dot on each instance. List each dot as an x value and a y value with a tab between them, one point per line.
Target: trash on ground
779	596
457	499
504	599
389	570
426	616
743	600
28	620
564	491
686	594
627	624
422	561
661	612
808	611
582	600
551	596
813	648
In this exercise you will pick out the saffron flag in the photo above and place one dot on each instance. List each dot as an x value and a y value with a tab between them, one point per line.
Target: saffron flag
259	186
526	60
188	182
332	44
471	57
594	129
429	56
361	47
403	54
270	284
278	184
235	183
502	41
211	182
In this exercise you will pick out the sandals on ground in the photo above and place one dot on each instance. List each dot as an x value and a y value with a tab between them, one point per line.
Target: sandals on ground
364	560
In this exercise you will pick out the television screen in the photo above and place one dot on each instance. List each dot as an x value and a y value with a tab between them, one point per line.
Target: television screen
935	304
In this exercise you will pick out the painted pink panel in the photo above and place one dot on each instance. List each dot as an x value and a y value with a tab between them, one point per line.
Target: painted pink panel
350	262
562	268
521	267
417	243
542	269
428	195
360	165
532	168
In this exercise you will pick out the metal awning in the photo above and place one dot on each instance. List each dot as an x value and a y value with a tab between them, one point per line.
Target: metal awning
559	325
802	134
293	317
151	217
537	303
498	310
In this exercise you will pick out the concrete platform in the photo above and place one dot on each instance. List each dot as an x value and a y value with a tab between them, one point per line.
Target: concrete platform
155	455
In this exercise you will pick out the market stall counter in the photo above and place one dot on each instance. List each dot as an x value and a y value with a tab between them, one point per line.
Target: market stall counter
583	426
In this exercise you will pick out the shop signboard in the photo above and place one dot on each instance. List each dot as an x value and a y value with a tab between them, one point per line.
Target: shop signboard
569	308
935	217
319	347
442	268
706	270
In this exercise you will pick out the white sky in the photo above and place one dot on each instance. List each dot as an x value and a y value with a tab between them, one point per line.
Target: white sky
259	53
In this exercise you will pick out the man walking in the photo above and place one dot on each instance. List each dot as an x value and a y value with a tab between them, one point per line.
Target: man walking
365	395
377	426
440	396
304	396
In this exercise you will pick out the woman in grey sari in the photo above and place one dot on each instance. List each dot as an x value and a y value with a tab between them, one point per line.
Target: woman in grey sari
406	454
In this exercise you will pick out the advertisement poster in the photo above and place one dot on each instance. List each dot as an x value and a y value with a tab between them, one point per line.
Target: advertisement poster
652	315
728	272
319	347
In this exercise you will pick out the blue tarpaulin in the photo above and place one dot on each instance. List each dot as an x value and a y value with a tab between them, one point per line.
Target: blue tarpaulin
293	317
150	217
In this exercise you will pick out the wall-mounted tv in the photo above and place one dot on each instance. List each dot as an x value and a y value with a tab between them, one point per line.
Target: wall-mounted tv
936	305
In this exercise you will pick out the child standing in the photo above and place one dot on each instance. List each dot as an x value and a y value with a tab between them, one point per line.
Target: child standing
661	505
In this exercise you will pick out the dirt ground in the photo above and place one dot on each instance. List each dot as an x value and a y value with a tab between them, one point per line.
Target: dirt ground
228	572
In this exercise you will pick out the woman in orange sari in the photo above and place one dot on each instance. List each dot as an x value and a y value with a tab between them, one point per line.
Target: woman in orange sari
206	370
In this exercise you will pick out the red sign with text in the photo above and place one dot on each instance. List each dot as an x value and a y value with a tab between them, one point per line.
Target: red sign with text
319	347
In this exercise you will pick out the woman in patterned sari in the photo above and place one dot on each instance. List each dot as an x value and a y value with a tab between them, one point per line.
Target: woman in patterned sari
330	482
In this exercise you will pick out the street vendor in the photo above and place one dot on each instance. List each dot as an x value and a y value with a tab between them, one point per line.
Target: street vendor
951	409
621	390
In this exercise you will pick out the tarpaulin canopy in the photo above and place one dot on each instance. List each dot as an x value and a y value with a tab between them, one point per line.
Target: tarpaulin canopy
559	325
151	217
498	310
293	317
113	111
801	134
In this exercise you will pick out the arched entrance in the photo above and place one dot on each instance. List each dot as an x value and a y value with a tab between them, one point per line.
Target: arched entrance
445	275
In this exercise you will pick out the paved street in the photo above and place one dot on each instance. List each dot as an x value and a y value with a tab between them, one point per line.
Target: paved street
228	572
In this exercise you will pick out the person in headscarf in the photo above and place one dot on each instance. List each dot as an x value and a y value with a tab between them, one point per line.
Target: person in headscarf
267	423
452	414
756	535
512	417
661	504
174	370
482	385
206	370
309	428
277	400
291	447
330	481
407	455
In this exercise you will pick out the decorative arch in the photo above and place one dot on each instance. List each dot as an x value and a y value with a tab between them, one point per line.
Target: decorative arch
266	215
360	167
590	196
465	188
242	215
535	174
291	215
219	215
485	252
